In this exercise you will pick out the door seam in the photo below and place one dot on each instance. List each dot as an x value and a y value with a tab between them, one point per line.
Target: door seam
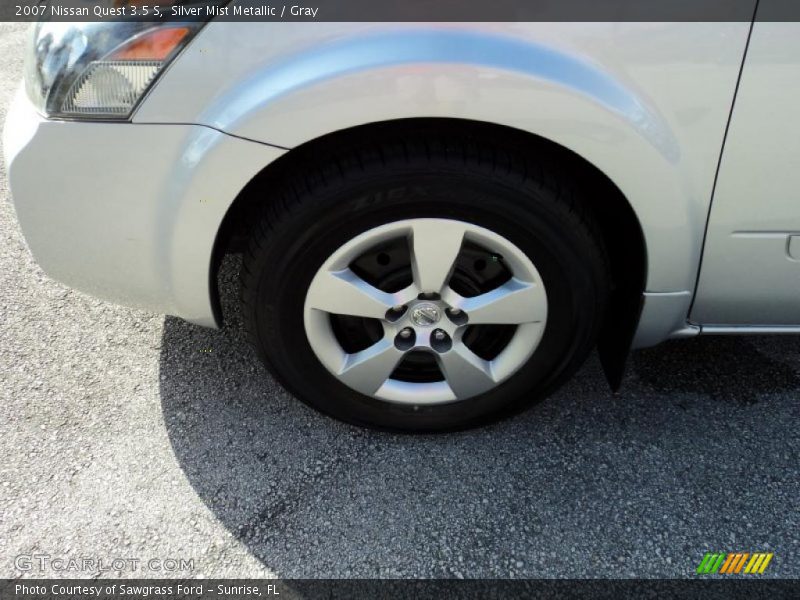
719	160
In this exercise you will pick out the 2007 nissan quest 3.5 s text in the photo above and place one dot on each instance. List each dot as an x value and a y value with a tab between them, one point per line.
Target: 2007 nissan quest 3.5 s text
439	221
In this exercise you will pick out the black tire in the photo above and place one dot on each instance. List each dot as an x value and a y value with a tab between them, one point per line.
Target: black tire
340	195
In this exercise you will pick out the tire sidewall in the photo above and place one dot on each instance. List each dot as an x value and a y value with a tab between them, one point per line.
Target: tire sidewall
530	217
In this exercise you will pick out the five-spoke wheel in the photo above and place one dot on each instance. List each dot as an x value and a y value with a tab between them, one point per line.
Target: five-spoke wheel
422	284
428	315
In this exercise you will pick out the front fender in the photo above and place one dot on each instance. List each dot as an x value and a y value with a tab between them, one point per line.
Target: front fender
645	103
127	212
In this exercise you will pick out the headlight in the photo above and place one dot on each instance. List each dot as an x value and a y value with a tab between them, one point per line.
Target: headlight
98	70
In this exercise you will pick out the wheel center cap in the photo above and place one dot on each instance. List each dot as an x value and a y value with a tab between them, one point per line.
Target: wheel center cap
425	314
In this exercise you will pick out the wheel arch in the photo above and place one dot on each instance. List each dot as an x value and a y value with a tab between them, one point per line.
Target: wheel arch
617	220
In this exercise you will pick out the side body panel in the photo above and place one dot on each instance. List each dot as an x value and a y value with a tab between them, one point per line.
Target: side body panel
751	264
647	103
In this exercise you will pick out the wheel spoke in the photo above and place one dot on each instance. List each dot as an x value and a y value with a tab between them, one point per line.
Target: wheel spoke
435	244
345	293
367	370
466	373
513	303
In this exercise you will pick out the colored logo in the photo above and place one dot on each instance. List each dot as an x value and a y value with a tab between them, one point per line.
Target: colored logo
734	562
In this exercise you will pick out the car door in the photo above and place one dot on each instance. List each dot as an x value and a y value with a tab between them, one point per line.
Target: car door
750	272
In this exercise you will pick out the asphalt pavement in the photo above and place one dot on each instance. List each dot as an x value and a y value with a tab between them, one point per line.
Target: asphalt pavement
127	435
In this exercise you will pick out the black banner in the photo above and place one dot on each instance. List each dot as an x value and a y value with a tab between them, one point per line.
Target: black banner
390	589
401	10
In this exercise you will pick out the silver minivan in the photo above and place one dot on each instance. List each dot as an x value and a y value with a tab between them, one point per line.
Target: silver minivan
438	221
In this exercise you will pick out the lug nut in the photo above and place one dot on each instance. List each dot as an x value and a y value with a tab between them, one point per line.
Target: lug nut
405	339
457	316
394	313
440	341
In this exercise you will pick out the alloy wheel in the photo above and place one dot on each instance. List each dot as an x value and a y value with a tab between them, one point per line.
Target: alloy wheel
425	311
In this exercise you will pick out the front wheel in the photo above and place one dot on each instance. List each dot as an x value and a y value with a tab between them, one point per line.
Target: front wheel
423	291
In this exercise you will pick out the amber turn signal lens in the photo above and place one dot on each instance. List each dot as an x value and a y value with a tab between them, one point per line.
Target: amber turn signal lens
156	44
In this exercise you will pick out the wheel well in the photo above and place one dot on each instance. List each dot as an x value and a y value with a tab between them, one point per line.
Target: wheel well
616	219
